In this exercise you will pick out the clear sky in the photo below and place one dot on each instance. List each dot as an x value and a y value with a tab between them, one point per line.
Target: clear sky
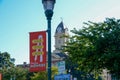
19	17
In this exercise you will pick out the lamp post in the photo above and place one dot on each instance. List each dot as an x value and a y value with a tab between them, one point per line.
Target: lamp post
48	7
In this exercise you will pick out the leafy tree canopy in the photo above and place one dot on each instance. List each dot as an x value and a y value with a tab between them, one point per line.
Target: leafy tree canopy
96	46
43	75
5	60
14	73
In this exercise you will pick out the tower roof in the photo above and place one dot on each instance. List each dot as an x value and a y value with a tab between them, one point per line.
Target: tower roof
60	28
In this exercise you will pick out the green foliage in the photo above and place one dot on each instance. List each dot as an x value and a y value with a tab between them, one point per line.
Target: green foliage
5	60
19	73
43	75
8	70
96	47
16	73
39	76
54	71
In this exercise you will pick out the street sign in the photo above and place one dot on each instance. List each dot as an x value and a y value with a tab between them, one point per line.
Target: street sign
62	77
61	67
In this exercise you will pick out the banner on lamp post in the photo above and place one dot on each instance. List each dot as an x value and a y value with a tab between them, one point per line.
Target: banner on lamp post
0	76
37	51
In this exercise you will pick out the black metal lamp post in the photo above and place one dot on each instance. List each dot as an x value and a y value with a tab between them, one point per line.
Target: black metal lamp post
48	7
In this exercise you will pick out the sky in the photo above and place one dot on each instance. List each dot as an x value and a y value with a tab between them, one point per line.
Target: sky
19	17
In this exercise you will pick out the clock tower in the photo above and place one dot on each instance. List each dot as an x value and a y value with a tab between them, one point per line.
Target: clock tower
60	38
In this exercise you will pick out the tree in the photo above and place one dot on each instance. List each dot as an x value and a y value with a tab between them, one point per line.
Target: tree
15	73
5	60
40	76
43	75
96	47
9	70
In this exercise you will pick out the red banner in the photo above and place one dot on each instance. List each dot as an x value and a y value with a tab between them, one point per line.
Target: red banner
37	51
0	76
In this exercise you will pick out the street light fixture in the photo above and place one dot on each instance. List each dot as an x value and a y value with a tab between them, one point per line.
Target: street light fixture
48	7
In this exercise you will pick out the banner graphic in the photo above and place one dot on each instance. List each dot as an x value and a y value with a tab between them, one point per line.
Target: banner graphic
37	51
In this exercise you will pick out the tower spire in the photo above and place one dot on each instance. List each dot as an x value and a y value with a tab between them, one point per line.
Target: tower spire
61	19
